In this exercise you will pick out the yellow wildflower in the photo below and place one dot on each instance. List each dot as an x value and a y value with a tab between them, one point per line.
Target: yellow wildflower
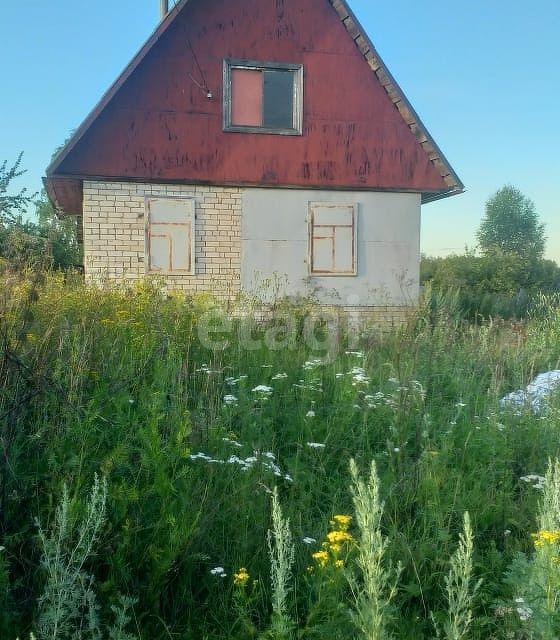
341	521
321	558
339	564
241	577
338	537
544	537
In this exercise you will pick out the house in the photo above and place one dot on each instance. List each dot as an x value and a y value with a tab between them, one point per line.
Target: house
252	141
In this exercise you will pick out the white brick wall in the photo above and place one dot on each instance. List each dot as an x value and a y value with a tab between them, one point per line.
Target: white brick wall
115	235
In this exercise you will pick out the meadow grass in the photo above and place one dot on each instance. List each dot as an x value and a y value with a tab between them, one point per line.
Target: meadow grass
194	418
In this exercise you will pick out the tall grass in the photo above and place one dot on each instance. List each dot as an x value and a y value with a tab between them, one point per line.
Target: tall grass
194	417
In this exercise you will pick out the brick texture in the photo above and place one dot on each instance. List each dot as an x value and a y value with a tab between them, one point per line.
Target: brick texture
114	217
114	225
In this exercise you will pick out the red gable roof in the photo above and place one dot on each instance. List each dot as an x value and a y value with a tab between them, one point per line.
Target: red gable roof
156	122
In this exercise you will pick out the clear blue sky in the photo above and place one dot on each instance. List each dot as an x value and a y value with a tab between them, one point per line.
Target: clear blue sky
484	76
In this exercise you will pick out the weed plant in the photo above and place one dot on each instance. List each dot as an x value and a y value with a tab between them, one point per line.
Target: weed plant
194	415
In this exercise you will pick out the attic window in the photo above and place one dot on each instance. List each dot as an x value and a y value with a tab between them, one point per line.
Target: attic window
262	97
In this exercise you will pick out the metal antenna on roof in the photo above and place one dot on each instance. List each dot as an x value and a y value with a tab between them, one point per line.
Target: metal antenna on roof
163	8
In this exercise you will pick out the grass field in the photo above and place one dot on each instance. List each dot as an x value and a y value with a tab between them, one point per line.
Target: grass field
173	471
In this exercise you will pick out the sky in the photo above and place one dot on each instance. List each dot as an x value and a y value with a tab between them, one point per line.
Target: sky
483	75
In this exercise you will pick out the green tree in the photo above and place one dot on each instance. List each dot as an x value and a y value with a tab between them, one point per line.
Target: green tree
47	242
511	225
12	205
59	234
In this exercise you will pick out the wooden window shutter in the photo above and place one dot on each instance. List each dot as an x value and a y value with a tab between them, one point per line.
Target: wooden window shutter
170	235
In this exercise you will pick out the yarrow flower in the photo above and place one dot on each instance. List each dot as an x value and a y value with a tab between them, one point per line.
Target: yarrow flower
524	611
534	479
230	399
263	389
308	540
316	445
312	364
218	571
266	460
359	376
310	414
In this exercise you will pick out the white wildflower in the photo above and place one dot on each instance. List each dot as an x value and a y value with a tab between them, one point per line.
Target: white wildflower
524	611
230	399
233	443
263	389
310	414
312	364
200	455
536	481
218	571
308	540
316	445
279	376
356	354
358	376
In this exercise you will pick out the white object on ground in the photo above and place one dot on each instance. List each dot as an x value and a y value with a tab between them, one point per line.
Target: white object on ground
535	393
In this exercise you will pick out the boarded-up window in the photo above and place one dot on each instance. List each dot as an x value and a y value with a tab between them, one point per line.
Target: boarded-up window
262	98
332	239
170	235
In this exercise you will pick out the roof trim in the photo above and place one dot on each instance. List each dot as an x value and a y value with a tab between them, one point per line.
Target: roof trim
400	101
371	56
162	27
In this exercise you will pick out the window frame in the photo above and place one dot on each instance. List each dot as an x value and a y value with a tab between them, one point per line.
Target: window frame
191	222
311	226
257	65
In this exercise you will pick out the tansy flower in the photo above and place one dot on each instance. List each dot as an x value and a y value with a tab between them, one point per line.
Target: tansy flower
241	577
544	537
338	537
341	521
321	558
